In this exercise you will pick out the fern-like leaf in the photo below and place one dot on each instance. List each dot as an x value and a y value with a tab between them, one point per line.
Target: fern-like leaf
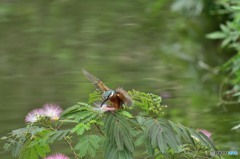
119	139
88	145
95	97
57	135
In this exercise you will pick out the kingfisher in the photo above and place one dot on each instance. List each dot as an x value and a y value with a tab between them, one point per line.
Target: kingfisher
117	98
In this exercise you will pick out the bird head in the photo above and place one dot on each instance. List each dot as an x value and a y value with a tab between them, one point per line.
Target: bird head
107	95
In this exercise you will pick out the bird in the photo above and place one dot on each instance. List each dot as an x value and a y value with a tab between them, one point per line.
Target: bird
117	98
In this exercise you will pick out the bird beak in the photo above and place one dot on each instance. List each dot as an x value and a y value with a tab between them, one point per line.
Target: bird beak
104	101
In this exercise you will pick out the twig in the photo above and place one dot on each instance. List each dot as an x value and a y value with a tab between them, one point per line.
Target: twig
69	143
71	147
58	127
99	129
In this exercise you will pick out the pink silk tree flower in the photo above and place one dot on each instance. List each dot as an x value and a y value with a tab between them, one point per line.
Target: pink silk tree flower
57	156
205	132
34	115
53	111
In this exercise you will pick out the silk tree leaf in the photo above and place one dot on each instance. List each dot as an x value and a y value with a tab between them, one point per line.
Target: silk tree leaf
119	139
21	138
80	128
140	120
186	134
140	139
149	147
155	133
208	141
81	112
42	150
160	135
110	133
128	142
127	114
107	123
161	143
111	151
37	146
94	97
17	149
88	145
57	135
34	151
171	141
71	111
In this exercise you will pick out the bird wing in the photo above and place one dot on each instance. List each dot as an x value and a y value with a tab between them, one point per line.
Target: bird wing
123	95
96	82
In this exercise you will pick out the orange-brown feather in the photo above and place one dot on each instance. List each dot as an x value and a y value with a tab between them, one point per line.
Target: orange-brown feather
116	102
123	95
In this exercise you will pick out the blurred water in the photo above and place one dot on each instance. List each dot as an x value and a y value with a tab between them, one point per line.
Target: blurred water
45	44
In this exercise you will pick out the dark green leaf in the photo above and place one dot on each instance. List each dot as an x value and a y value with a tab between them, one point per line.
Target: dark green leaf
88	145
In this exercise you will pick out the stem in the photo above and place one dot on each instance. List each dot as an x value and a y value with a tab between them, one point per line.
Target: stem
71	147
47	125
68	142
58	127
138	126
99	129
196	151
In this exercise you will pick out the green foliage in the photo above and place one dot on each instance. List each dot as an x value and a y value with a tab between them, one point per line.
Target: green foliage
162	136
81	112
125	113
118	131
29	142
81	127
36	147
229	33
57	135
88	144
119	137
233	80
94	97
150	103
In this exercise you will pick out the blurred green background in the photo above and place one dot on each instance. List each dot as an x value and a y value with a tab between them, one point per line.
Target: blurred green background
144	45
